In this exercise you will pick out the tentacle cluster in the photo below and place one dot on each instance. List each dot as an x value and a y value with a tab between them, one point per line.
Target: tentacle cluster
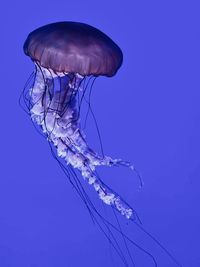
53	103
55	109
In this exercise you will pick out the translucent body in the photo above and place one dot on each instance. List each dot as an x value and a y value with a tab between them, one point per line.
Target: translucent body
55	109
65	55
57	113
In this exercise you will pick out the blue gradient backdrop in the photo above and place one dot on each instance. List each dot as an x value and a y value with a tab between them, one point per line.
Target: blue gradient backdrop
149	113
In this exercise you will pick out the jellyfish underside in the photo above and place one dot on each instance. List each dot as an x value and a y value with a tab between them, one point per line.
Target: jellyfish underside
57	112
52	104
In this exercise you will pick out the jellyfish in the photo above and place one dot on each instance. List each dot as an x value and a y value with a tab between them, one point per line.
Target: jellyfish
66	55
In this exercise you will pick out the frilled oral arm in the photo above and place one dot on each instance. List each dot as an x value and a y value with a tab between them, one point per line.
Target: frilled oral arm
56	111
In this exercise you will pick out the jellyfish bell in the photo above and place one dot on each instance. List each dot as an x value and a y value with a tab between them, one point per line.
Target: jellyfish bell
72	47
